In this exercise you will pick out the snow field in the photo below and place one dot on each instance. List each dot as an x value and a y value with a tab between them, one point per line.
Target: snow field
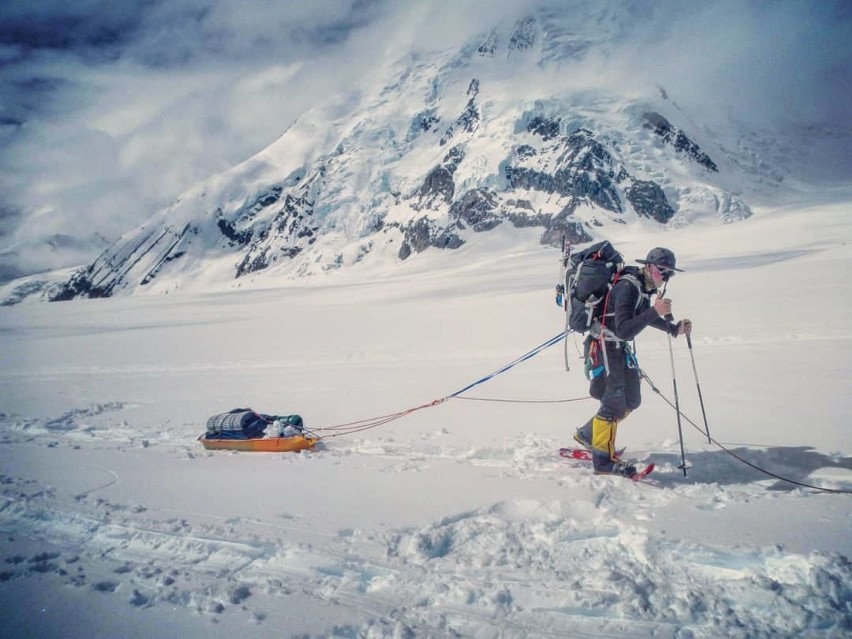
459	519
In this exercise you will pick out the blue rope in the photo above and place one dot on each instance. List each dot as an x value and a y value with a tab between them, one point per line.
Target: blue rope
365	424
553	340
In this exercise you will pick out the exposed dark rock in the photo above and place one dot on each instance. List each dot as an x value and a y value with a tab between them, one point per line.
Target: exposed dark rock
555	226
268	198
285	236
523	37
649	200
79	285
236	238
525	151
252	262
422	122
438	187
677	139
547	129
476	209
528	219
468	121
585	172
447	239
23	291
114	265
489	47
170	255
561	228
420	235
520	204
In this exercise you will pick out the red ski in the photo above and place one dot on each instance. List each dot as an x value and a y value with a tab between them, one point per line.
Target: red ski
585	455
582	453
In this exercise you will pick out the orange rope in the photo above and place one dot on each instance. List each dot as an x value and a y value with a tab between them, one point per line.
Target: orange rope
367	424
373	422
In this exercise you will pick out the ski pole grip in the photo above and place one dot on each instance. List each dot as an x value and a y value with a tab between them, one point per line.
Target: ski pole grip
662	295
689	341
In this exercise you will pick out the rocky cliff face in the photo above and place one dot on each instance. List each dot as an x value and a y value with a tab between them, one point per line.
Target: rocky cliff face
429	158
678	140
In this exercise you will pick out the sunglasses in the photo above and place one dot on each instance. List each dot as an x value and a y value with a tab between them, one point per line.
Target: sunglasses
665	273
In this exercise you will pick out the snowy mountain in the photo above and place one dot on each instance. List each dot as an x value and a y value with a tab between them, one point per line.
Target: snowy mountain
432	150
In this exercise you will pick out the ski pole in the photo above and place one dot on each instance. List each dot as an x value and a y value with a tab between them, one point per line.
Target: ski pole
564	299
670	318
698	386
677	408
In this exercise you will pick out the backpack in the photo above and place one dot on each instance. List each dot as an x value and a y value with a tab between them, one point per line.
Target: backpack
244	423
589	275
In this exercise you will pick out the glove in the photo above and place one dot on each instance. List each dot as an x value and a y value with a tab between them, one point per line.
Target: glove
663	306
684	327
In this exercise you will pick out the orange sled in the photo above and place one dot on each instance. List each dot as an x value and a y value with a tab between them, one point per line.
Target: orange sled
262	444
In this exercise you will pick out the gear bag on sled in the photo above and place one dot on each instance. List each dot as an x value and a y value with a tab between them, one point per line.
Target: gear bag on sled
244	423
589	274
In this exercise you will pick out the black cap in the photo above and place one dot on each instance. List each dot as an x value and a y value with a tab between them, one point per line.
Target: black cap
662	258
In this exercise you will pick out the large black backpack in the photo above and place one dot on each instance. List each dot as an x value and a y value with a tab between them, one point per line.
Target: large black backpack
240	423
589	275
244	423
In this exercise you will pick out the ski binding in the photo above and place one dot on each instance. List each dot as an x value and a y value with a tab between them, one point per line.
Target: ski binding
585	455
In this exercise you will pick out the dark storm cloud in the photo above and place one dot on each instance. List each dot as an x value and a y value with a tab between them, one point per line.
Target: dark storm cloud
764	61
166	32
91	29
108	110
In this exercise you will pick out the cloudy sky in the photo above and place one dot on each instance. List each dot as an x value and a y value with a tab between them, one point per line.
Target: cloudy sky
111	109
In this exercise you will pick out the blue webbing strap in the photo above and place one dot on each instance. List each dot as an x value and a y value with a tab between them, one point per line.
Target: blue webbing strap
553	340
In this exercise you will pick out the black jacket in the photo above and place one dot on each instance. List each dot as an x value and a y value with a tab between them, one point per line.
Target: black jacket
629	310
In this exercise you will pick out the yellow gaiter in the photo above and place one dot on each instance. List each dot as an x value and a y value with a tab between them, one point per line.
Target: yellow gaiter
603	435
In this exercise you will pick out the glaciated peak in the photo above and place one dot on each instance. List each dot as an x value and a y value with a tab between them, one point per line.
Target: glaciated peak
455	147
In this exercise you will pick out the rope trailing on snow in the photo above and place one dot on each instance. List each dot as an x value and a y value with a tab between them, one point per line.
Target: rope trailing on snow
735	455
373	422
524	401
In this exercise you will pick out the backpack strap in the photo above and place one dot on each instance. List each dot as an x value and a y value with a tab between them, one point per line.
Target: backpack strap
621	275
635	281
604	334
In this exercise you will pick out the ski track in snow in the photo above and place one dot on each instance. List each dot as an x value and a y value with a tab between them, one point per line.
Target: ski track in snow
524	567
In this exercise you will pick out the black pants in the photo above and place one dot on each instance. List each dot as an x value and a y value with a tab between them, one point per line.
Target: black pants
619	391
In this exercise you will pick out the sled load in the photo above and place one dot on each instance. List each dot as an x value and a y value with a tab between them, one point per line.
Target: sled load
247	430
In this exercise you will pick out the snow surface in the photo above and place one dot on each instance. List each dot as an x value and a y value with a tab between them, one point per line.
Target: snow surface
458	519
